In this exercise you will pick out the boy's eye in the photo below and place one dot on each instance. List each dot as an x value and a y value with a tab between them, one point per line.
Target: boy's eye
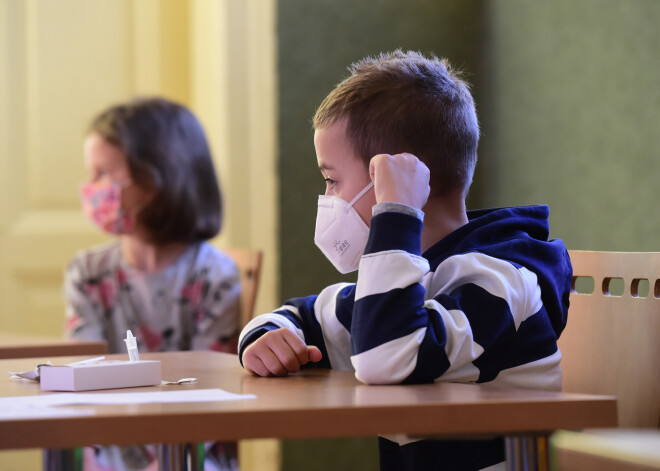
330	182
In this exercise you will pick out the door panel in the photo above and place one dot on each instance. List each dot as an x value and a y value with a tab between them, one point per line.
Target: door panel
63	61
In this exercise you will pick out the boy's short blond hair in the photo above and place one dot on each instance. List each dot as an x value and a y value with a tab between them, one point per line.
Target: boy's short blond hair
405	102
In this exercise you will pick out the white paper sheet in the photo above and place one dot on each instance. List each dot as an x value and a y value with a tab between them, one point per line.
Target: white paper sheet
29	410
190	395
33	406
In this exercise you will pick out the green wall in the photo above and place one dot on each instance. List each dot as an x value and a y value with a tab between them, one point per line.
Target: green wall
568	98
572	90
318	40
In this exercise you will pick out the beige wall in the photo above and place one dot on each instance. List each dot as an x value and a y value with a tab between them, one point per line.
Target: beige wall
60	63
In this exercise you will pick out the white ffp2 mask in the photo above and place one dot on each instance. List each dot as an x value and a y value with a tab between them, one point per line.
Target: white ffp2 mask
340	233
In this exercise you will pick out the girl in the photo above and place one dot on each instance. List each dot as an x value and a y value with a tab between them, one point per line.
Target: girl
152	185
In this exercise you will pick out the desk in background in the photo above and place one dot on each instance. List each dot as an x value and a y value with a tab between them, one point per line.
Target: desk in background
29	346
315	403
607	450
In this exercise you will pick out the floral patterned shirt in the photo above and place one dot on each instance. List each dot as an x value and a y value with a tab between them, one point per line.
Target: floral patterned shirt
193	304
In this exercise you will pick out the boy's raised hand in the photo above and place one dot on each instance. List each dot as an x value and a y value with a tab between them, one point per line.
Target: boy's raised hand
400	178
278	353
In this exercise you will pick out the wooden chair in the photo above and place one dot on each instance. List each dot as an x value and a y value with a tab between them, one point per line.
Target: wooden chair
249	265
611	344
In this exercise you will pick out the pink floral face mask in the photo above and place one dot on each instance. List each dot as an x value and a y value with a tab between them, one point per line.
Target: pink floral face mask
101	203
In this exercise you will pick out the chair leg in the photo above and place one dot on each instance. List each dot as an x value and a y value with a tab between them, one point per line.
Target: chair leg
62	459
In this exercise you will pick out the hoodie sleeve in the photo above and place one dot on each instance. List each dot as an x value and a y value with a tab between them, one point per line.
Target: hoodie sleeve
481	315
390	319
321	320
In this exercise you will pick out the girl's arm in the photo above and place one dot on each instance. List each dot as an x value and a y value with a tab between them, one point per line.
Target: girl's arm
85	303
216	318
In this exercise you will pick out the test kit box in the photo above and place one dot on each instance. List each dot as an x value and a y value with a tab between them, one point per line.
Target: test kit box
100	375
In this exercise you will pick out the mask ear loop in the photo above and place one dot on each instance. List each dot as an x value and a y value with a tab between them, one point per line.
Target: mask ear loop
359	195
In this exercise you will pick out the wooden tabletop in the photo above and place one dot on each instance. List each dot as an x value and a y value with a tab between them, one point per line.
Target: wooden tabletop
315	403
28	346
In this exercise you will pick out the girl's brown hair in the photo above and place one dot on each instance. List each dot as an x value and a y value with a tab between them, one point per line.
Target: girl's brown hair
168	153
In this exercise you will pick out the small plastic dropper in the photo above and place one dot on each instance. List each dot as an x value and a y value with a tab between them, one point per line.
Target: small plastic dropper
131	346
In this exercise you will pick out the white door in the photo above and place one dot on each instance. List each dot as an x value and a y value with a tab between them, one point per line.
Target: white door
63	61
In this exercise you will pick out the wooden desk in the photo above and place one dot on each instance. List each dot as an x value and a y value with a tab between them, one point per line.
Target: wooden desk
313	404
29	346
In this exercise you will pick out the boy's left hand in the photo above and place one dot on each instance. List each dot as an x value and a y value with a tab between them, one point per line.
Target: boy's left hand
400	178
278	353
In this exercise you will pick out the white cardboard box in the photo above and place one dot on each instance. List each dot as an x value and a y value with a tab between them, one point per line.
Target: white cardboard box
106	374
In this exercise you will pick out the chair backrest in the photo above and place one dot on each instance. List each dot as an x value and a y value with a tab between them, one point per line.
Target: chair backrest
611	344
249	265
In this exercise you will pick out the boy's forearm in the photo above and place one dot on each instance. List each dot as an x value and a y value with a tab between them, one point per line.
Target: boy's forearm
295	315
389	314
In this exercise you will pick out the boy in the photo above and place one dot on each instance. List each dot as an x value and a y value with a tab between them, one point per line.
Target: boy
485	302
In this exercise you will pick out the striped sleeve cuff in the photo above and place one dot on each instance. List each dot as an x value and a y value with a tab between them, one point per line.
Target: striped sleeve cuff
389	207
250	337
395	231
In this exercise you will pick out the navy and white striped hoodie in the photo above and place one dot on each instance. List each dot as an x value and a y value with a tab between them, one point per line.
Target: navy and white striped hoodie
484	304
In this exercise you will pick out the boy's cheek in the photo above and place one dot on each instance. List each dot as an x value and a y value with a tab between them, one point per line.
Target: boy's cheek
367	202
364	211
